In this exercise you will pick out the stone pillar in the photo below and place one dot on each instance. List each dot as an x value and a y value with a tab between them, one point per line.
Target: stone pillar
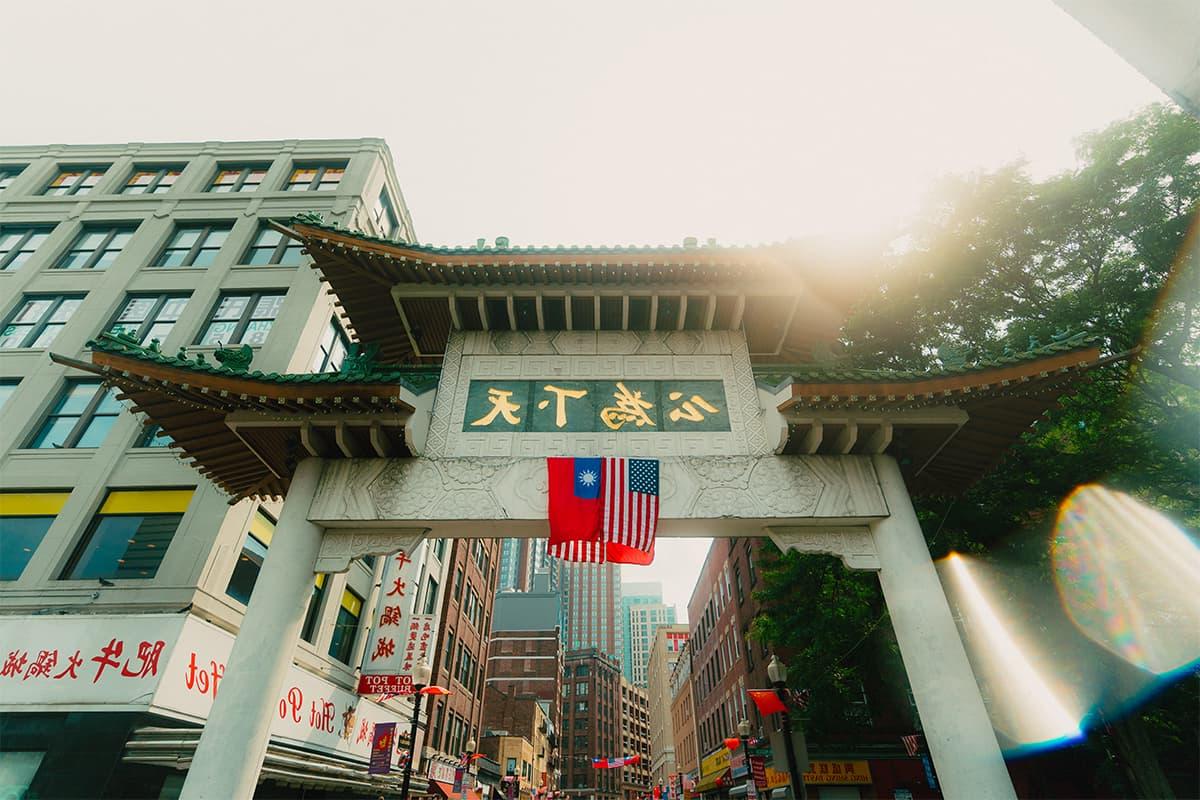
957	729
234	741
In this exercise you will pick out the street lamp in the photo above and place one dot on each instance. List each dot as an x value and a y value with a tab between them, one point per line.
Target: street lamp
422	673
744	735
777	672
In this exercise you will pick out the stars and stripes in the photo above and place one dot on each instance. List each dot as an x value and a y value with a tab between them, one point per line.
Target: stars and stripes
631	502
603	509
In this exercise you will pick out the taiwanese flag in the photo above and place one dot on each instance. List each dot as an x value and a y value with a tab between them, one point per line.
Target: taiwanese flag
576	509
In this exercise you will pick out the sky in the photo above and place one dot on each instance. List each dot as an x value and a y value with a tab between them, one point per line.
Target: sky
592	123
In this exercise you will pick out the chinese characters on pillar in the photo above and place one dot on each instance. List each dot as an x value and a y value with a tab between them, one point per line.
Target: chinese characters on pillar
399	638
552	405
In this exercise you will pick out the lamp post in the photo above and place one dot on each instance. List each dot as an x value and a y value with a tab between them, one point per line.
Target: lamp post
422	673
744	735
777	672
466	765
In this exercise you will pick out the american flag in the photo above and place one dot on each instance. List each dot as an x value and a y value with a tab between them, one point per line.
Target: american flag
631	502
912	743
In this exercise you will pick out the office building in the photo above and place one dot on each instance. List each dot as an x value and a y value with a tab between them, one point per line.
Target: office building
635	740
683	718
137	568
635	594
591	723
644	620
669	643
520	561
591	601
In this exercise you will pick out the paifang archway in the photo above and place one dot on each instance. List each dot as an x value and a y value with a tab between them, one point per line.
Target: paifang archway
783	442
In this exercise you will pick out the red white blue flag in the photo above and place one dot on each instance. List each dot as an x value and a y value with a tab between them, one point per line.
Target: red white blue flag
614	763
603	509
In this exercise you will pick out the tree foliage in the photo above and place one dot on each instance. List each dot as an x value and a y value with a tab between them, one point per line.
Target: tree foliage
1000	262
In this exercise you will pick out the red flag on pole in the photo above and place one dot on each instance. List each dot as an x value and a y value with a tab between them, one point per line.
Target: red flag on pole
767	700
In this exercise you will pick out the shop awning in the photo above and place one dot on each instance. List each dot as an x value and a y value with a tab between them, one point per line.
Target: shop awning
175	747
709	782
447	790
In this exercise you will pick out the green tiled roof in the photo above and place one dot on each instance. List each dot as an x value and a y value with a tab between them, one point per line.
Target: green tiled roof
775	376
315	220
359	367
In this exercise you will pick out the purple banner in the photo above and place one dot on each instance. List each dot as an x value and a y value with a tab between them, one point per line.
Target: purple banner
381	748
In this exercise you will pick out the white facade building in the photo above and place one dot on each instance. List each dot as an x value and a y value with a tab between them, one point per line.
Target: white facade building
124	574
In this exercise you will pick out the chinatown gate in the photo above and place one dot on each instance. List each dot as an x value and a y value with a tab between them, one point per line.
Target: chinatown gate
717	361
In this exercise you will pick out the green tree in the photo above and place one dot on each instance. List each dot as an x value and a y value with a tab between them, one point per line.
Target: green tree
999	263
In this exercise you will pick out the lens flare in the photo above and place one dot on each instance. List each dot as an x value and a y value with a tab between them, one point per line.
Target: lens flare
1128	578
1023	706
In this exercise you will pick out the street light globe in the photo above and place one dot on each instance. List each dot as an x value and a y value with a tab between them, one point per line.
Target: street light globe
776	671
471	745
422	672
744	728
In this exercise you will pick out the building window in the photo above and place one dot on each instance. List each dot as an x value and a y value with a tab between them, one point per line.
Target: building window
308	631
194	245
37	322
384	214
458	583
96	247
149	317
272	247
82	417
318	177
149	437
24	520
130	535
249	563
431	595
238	178
242	319
7	387
76	180
331	351
8	174
152	179
737	583
341	646
439	548
17	245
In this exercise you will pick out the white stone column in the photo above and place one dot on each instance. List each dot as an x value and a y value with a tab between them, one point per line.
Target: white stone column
957	729
234	741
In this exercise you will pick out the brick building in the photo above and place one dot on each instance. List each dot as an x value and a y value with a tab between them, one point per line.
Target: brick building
462	656
635	740
724	663
591	725
513	715
683	716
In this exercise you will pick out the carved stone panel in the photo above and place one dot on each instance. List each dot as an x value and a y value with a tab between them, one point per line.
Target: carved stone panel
855	546
340	546
597	356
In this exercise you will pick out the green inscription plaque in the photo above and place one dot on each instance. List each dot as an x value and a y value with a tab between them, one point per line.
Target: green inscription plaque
559	406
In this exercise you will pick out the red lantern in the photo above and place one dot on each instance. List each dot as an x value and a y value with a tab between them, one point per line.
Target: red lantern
732	743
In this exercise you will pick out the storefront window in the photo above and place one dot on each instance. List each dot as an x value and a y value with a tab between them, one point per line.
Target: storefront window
130	535
341	646
249	563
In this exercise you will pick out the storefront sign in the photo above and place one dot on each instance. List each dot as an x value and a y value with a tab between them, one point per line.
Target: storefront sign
777	778
930	775
97	660
440	771
758	768
714	763
399	639
554	405
170	664
838	772
381	749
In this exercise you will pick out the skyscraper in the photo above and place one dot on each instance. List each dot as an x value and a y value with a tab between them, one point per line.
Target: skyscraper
641	608
520	560
591	597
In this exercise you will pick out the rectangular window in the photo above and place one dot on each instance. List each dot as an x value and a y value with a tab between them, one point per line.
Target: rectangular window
331	350
315	177
149	317
7	387
76	180
439	549
387	224
8	174
458	583
242	319
96	247
341	646
431	596
130	535
17	245
308	631
194	245
152	179
238	178
272	247
249	563
24	520
149	437
81	417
